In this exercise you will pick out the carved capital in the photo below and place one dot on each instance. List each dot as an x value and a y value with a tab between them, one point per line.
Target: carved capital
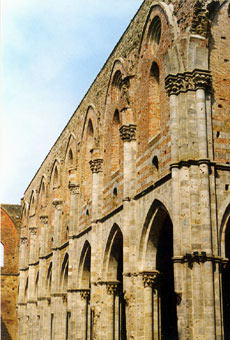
112	287
74	188
202	79
96	165
201	21
128	132
33	230
188	81
44	219
57	203
24	241
85	294
150	279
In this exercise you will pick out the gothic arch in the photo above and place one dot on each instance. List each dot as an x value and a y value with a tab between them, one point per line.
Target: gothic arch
71	152
85	267
55	178
43	192
114	247
64	273
49	279
118	73
156	252
33	203
225	272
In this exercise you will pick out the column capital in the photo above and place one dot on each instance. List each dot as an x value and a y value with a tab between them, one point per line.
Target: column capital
24	240
188	81
112	287
57	203
33	230
96	165
74	188
128	132
85	294
150	278
44	219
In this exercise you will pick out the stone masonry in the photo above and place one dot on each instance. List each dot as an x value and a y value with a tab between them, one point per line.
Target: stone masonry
10	237
126	225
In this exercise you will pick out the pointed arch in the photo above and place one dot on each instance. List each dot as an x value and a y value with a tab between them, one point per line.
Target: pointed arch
113	253
43	191
64	273
49	279
85	266
55	175
33	202
225	273
156	252
71	152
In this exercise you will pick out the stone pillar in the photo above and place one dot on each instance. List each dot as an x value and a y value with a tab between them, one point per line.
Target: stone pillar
151	306
74	209
96	168
43	299
56	295
112	331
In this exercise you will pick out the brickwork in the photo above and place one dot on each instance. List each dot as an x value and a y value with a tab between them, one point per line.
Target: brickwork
126	225
10	229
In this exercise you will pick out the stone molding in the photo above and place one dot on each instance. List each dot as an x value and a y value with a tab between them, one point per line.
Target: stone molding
74	188
150	278
128	132
44	219
96	165
200	257
188	81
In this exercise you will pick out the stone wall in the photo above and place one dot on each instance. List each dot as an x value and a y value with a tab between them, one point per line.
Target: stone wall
10	229
125	227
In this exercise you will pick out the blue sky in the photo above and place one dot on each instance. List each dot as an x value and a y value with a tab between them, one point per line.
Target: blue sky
51	53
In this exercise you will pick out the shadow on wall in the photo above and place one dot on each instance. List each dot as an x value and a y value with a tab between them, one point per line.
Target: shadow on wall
4	332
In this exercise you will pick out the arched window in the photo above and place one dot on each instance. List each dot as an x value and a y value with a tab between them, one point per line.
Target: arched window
116	86
154	101
55	178
90	139
154	33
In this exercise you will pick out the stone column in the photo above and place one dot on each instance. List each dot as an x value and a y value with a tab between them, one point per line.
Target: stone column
96	168
32	299
72	269
74	209
151	305
112	331
56	296
96	165
42	293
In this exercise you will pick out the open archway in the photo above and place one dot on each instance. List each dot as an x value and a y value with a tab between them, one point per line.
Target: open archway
114	270
157	252
226	280
85	287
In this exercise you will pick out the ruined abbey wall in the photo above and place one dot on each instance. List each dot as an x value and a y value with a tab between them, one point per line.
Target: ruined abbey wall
125	228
